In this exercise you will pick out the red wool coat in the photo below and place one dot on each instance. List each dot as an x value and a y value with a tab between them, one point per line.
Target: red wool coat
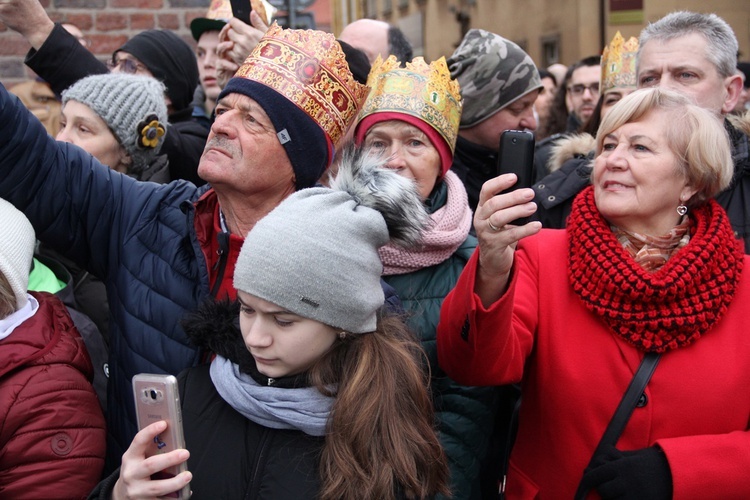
52	433
574	371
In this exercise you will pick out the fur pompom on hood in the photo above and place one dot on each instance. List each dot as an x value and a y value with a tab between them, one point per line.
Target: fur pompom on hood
366	178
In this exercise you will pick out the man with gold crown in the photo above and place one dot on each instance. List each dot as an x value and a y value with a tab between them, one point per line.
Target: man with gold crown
570	159
163	249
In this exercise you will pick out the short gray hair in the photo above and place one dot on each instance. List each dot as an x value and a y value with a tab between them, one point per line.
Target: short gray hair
722	43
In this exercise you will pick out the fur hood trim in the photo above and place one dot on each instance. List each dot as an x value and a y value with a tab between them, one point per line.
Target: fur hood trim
741	122
569	147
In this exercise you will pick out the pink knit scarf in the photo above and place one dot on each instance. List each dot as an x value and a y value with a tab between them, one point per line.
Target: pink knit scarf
450	227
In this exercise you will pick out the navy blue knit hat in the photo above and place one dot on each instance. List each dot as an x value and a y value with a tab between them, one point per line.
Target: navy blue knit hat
304	141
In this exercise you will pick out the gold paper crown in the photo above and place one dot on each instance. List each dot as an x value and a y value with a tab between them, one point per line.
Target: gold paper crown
220	10
424	91
309	68
618	64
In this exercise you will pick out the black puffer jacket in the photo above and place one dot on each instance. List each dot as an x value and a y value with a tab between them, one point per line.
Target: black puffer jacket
474	165
230	455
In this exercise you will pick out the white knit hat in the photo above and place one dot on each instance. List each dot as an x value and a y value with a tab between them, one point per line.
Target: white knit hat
16	250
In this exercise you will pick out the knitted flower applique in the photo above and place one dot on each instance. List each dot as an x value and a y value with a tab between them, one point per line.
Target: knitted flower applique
151	130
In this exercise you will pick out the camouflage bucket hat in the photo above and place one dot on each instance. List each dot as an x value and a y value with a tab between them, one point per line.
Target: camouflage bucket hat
493	72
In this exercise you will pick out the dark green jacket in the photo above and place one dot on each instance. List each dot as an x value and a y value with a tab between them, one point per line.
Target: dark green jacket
464	414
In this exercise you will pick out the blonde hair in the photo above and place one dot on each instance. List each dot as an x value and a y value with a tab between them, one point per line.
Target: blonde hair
695	135
7	298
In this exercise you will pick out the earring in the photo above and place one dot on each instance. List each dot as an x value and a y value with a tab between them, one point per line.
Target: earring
681	209
342	335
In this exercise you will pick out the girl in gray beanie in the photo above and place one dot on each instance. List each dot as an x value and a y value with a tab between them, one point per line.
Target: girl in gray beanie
333	385
121	120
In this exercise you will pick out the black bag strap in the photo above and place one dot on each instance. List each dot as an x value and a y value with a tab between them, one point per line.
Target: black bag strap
624	410
510	440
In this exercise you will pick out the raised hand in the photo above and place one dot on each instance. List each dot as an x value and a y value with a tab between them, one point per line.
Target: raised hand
28	18
497	238
236	41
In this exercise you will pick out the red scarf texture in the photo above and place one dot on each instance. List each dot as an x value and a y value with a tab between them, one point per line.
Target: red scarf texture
662	310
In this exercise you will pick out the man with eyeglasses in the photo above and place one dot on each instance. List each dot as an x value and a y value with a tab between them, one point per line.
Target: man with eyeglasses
571	108
59	58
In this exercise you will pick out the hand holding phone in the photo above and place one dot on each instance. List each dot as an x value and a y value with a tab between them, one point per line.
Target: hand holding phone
516	156
156	399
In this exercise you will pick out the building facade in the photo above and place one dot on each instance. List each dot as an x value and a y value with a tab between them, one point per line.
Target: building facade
549	30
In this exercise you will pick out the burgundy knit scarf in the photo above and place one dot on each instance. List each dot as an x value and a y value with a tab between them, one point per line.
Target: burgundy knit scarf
662	310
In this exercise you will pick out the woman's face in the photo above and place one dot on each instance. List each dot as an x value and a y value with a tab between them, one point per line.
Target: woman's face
409	152
79	125
281	342
637	184
611	98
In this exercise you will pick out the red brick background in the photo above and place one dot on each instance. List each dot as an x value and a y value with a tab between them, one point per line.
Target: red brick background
109	23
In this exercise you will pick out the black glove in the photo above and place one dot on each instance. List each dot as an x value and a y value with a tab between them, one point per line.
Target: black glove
640	474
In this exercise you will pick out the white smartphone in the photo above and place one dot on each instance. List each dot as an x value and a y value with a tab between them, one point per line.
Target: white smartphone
157	398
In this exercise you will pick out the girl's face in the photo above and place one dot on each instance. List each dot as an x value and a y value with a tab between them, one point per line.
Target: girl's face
408	150
79	125
281	342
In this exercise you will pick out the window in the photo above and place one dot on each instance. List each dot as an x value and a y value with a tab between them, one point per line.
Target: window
550	50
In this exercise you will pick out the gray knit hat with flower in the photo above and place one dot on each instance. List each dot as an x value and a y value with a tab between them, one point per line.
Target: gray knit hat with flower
16	250
133	108
316	254
493	72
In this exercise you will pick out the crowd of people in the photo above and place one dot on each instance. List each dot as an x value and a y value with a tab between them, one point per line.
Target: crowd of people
311	235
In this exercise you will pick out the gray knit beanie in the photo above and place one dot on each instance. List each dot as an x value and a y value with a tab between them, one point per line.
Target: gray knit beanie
133	108
493	72
16	250
316	254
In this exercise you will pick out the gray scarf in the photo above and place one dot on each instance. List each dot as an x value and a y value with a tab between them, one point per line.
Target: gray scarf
304	409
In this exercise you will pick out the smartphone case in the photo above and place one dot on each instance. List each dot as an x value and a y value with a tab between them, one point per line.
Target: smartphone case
157	398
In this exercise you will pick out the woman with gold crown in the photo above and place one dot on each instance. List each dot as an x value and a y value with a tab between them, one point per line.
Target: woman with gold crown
411	119
570	160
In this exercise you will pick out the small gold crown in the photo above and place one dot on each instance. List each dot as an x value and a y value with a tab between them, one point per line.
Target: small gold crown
219	10
309	68
423	90
618	63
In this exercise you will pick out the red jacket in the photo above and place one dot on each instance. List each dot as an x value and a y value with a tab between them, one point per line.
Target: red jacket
52	433
574	372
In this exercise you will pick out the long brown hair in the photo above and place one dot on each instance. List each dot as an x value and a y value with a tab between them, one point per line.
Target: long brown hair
380	439
7	298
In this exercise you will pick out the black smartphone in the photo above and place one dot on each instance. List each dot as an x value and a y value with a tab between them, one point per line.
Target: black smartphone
241	10
516	156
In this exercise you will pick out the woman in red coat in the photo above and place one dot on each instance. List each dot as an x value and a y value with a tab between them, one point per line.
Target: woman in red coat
648	263
52	435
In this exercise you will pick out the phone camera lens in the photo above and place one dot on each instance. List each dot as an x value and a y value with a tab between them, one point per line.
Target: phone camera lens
514	141
153	394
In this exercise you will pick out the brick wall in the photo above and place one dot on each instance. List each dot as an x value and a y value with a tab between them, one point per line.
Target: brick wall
109	23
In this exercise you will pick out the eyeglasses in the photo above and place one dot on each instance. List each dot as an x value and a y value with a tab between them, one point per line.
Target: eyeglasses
126	65
579	88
